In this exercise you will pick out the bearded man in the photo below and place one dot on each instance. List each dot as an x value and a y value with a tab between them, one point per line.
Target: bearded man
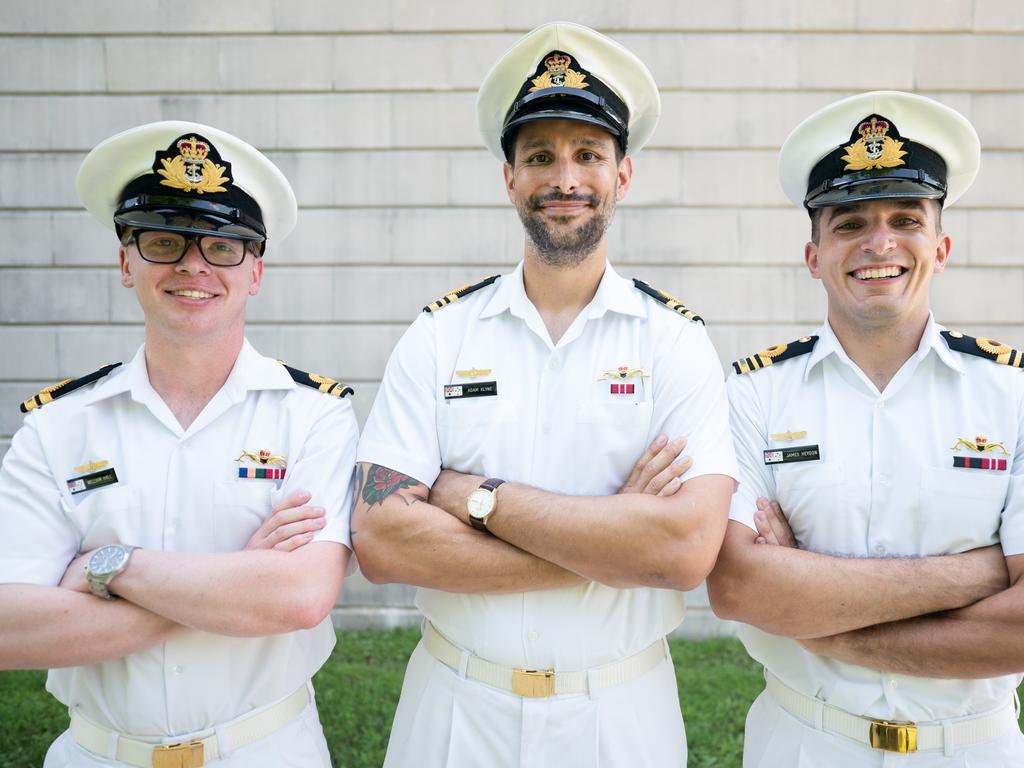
499	468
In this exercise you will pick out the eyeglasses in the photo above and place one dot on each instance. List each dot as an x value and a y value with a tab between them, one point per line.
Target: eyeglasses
162	247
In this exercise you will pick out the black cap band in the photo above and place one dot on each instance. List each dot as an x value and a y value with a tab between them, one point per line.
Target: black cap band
877	164
190	183
561	89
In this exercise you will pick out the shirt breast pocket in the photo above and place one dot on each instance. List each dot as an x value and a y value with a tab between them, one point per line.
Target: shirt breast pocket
960	510
610	437
239	508
478	436
809	494
110	515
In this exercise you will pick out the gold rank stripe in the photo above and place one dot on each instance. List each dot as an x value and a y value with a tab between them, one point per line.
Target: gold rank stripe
458	293
61	388
775	354
669	301
996	351
323	384
1014	358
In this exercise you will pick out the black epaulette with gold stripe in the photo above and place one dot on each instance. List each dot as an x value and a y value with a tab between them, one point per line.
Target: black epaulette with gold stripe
62	388
991	349
669	301
318	382
775	354
458	293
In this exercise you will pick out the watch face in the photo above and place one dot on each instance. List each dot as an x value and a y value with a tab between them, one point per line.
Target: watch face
480	503
107	559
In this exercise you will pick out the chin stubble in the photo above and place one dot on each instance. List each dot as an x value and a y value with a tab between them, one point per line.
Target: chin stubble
569	248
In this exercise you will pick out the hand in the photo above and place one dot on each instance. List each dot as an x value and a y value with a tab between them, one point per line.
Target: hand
74	576
450	491
659	470
772	526
290	525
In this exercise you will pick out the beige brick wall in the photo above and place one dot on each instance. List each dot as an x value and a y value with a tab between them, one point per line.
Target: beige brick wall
368	108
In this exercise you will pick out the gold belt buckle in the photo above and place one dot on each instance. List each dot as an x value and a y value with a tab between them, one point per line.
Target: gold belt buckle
533	683
191	755
893	737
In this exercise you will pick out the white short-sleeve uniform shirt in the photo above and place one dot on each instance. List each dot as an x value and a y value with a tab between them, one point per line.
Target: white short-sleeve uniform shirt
176	490
885	484
557	421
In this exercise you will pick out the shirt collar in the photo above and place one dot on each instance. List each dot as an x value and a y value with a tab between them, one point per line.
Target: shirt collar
613	293
931	339
251	371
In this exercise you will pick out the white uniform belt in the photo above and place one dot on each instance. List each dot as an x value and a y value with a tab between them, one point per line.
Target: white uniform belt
894	736
534	683
189	752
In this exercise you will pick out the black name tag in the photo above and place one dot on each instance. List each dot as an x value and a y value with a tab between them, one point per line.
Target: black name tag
478	389
796	453
93	480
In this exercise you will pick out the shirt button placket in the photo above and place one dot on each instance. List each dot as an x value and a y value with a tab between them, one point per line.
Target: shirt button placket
879	480
171	506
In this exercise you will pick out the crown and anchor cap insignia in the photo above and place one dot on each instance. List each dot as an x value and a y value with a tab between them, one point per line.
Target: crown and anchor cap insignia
880	145
186	177
565	71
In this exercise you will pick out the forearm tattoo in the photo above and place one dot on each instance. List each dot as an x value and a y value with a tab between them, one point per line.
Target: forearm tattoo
381	482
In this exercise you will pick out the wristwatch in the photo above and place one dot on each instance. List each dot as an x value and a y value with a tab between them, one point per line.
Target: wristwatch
482	503
106	563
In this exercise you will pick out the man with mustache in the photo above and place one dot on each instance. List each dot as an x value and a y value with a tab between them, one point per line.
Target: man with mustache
510	414
128	494
882	460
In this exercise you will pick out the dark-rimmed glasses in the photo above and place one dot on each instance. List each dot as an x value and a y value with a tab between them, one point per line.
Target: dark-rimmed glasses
161	247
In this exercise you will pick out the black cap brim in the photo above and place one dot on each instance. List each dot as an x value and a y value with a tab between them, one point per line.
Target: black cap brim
565	114
186	220
874	189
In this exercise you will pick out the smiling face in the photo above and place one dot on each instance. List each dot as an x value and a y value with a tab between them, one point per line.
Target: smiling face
565	180
876	260
191	301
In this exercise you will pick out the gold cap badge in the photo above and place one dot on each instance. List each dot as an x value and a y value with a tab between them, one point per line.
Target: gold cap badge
192	170
559	74
874	148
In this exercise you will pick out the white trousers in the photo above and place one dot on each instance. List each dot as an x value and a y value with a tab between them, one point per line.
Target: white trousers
447	720
776	739
299	744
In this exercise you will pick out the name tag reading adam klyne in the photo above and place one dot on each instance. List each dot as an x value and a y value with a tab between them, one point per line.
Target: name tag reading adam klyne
477	389
796	453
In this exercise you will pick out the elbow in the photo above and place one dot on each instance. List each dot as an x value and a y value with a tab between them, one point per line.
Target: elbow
724	594
314	605
312	613
686	576
692	559
374	559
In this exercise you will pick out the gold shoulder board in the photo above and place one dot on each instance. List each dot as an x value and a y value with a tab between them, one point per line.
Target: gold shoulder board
62	388
775	354
318	382
458	293
990	349
669	301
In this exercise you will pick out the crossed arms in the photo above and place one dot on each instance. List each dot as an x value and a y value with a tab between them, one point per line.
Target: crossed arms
949	616
978	634
656	531
280	583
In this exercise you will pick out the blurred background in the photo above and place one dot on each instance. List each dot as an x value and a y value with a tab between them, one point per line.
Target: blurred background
368	108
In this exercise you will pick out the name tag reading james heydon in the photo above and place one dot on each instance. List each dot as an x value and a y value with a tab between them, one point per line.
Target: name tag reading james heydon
477	389
796	453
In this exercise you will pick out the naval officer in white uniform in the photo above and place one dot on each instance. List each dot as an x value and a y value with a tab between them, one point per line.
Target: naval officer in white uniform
170	646
509	415
882	458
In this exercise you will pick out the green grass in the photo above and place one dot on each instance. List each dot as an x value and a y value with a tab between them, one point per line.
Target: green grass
358	688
